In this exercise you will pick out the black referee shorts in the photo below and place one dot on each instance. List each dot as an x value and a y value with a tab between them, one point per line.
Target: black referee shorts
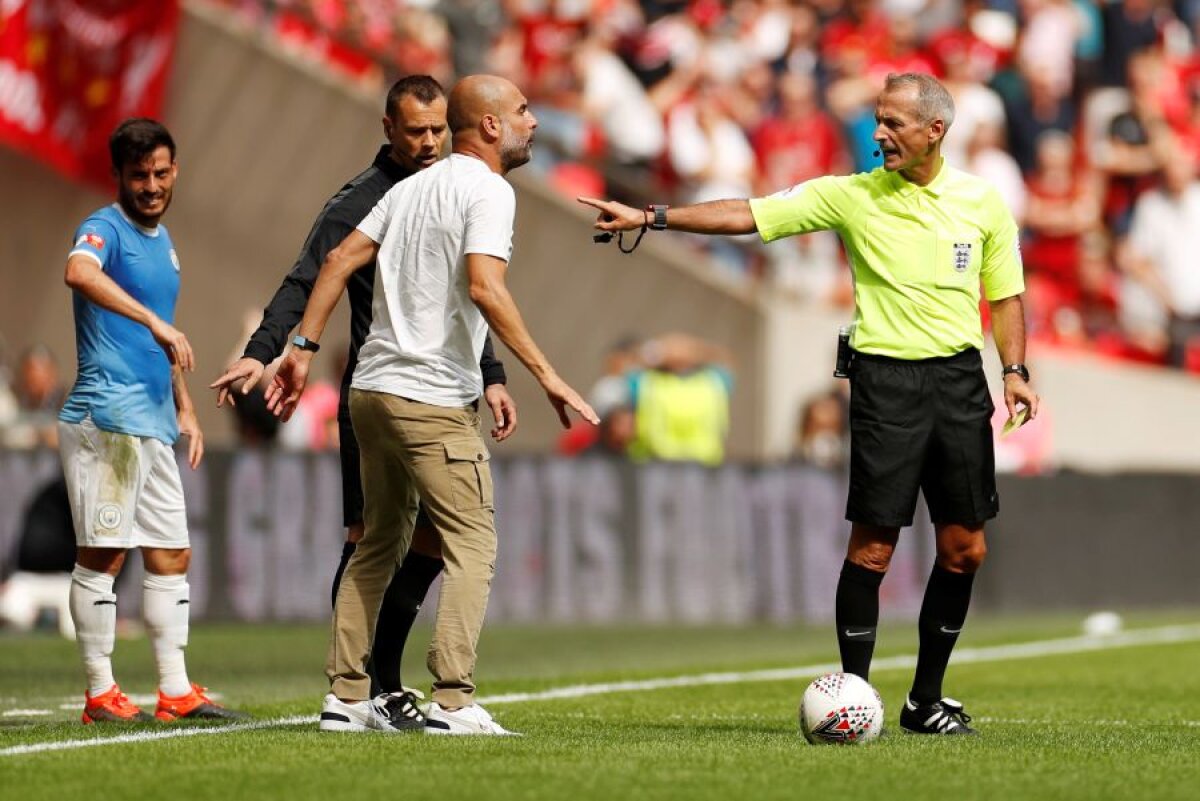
352	489
921	425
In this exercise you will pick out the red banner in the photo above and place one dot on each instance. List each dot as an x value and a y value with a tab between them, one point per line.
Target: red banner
71	70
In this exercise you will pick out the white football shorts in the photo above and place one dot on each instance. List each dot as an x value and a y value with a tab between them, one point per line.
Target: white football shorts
125	490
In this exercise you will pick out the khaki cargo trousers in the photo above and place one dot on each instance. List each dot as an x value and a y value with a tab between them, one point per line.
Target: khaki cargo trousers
414	451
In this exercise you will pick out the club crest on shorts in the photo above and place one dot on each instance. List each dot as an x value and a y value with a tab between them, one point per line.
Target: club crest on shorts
962	256
108	516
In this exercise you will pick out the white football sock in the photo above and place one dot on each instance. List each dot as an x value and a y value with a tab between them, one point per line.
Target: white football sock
94	610
165	609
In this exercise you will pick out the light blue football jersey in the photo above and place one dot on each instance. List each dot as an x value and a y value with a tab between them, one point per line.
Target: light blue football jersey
124	378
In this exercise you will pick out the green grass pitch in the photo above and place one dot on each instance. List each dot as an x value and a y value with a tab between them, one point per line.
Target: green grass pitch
1114	722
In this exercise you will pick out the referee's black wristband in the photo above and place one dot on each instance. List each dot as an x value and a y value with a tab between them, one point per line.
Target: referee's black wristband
659	221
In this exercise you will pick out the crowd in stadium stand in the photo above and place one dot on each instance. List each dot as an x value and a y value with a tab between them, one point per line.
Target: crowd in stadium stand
1084	113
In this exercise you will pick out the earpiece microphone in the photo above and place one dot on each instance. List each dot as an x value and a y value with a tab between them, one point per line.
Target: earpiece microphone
877	153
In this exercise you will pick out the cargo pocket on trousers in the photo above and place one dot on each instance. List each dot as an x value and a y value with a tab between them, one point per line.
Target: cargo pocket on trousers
470	478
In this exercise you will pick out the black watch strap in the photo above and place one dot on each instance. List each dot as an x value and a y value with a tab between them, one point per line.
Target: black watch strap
1019	369
659	221
304	343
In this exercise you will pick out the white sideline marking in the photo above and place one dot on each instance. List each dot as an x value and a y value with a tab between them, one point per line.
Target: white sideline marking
993	653
144	736
1191	724
24	713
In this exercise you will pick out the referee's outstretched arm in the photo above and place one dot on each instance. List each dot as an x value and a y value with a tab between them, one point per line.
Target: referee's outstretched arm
714	217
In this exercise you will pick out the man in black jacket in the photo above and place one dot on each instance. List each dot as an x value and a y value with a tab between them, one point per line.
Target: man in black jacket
416	129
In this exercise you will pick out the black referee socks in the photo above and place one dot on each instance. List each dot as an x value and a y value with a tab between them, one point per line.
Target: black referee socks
857	616
943	612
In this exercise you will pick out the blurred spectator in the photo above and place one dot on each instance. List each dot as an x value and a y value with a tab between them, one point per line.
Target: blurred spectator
1129	26
611	390
800	141
1047	44
1095	317
711	155
1161	302
39	394
610	397
1064	204
681	401
37	582
1042	105
981	57
822	433
1129	167
708	150
975	104
987	158
615	434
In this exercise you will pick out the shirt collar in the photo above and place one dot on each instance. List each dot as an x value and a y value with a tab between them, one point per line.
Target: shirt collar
935	187
384	161
147	231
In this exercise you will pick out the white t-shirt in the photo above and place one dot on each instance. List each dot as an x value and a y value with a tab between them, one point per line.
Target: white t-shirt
426	335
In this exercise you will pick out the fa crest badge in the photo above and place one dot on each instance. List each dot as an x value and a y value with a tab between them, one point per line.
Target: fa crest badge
962	256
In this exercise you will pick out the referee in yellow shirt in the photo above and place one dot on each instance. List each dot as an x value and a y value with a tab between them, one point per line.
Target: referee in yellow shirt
921	237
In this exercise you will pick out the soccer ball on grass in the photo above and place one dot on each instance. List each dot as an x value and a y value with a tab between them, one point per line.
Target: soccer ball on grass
840	709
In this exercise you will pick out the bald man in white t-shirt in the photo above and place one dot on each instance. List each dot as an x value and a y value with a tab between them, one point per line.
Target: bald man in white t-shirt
443	240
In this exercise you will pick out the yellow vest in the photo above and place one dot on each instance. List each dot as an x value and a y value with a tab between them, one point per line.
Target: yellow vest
682	418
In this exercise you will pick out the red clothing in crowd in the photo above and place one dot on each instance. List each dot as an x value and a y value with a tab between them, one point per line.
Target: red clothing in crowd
791	151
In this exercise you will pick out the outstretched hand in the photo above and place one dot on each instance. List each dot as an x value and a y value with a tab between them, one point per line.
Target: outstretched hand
563	397
615	217
288	384
246	371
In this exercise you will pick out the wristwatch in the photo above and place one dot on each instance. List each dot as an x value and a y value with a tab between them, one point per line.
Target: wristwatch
304	343
659	223
1019	369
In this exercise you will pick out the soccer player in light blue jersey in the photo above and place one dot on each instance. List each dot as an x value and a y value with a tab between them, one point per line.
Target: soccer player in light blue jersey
117	428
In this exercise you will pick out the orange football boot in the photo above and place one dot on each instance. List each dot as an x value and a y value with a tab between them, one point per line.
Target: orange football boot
112	706
194	706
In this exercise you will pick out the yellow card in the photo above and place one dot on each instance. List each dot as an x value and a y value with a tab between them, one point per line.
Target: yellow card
1015	422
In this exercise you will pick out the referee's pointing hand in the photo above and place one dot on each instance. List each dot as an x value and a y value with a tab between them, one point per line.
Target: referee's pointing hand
614	216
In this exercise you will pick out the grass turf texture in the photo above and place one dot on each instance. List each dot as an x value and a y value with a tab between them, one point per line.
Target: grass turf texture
1109	724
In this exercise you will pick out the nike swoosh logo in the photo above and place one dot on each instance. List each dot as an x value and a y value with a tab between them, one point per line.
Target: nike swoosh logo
945	630
104	603
181	602
850	633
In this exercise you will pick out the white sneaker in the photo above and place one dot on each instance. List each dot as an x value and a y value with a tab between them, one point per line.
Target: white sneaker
339	715
472	719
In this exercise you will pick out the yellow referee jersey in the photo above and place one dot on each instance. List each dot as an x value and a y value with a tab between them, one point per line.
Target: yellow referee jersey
918	253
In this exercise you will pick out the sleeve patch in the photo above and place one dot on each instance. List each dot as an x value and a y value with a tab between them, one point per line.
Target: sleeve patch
93	239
